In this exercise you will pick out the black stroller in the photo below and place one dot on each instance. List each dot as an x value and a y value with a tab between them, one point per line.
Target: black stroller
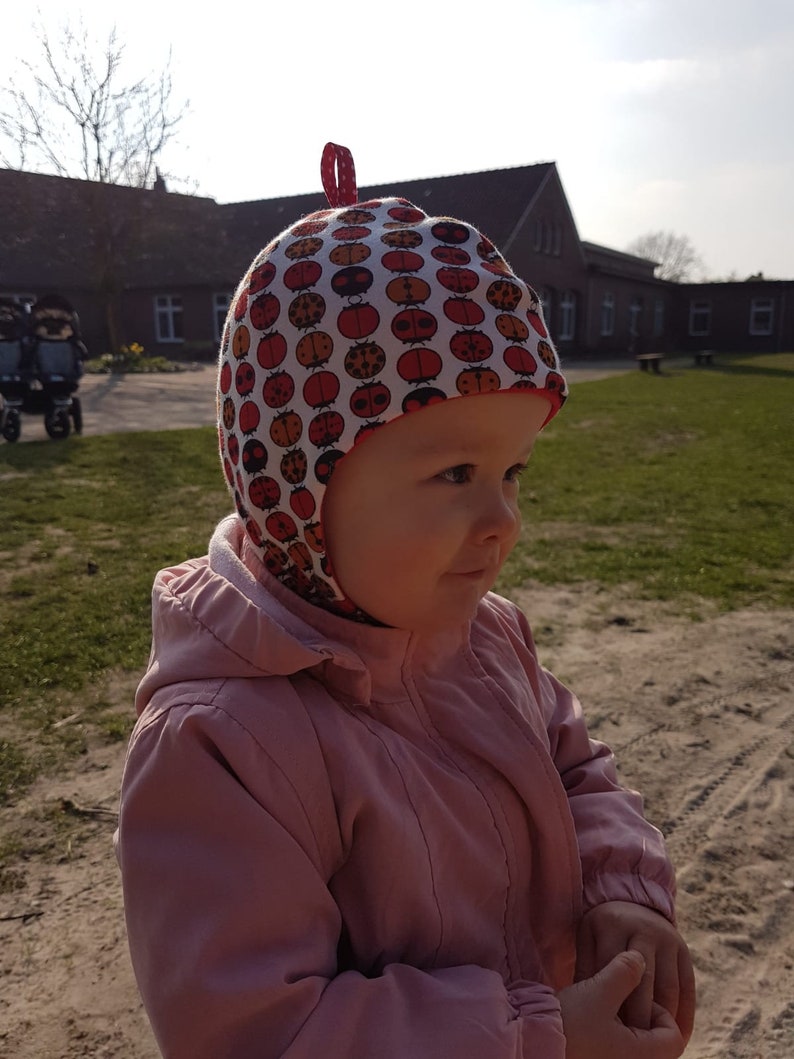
14	374
41	362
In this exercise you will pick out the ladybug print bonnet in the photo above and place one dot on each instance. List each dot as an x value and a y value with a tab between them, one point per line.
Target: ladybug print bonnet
353	316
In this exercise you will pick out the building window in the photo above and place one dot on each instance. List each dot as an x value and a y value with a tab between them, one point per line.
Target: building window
546	299
567	316
658	318
23	299
700	318
168	317
220	307
547	238
635	312
762	316
608	315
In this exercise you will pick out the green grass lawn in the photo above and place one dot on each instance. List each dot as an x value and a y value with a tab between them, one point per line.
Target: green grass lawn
678	487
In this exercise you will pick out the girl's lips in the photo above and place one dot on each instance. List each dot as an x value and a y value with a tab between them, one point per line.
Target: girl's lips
486	569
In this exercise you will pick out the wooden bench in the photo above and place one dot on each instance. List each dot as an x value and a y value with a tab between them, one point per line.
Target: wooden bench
704	356
654	360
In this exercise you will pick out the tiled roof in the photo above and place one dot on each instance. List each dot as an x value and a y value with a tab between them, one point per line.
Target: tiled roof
53	230
60	227
493	200
618	262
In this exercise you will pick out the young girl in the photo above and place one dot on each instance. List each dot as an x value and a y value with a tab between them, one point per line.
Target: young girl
358	818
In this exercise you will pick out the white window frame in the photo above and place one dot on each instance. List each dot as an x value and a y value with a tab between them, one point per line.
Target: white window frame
760	308
607	314
658	317
567	316
221	301
168	318
699	309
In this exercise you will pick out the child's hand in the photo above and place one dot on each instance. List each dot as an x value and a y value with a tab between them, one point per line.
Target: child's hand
590	1017
669	979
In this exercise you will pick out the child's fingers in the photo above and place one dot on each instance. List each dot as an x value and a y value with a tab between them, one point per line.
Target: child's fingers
685	1016
610	987
638	1008
666	986
674	987
587	956
661	1019
662	1040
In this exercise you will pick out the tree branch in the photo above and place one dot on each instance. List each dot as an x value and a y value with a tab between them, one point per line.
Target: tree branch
77	116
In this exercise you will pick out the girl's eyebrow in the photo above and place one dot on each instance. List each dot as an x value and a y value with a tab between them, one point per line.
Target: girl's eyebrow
418	446
452	453
446	454
452	446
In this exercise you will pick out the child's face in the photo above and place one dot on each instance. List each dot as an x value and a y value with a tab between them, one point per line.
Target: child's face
420	517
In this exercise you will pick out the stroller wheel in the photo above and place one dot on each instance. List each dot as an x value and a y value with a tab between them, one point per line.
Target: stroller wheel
57	423
77	415
13	425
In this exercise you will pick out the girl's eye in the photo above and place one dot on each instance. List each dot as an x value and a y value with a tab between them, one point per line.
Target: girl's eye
515	472
457	475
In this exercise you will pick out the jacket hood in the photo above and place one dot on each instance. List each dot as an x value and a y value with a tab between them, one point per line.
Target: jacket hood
224	616
225	610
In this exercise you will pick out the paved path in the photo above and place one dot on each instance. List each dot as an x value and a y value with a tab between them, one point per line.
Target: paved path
113	404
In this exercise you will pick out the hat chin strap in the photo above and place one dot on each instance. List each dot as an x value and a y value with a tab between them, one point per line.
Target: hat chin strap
338	173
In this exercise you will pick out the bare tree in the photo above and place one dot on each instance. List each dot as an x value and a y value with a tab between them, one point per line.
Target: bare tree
72	112
675	257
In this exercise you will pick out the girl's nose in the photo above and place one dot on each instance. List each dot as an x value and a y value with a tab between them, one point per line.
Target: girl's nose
498	518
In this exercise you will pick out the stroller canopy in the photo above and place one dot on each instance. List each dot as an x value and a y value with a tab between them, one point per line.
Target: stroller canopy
54	318
13	320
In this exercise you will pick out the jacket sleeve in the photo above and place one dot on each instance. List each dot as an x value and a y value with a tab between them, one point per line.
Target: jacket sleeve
623	856
233	930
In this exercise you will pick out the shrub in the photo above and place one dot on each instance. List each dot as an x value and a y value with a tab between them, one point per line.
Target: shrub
129	360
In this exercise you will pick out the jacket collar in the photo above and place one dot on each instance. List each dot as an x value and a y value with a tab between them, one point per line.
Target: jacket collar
358	662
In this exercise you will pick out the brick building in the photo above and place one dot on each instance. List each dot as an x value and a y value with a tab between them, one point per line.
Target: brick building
159	268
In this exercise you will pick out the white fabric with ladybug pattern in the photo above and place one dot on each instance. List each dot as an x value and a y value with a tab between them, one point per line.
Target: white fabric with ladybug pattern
352	317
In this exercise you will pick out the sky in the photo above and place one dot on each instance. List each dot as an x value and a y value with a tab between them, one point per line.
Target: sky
660	114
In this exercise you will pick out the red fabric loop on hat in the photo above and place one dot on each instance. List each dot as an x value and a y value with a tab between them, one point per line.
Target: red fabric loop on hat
339	175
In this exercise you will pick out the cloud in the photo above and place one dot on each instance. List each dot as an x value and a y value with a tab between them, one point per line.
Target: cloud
663	29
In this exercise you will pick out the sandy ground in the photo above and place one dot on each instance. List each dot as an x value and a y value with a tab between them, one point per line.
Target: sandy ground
699	714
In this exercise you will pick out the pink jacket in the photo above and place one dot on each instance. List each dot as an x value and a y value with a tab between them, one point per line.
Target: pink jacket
339	841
